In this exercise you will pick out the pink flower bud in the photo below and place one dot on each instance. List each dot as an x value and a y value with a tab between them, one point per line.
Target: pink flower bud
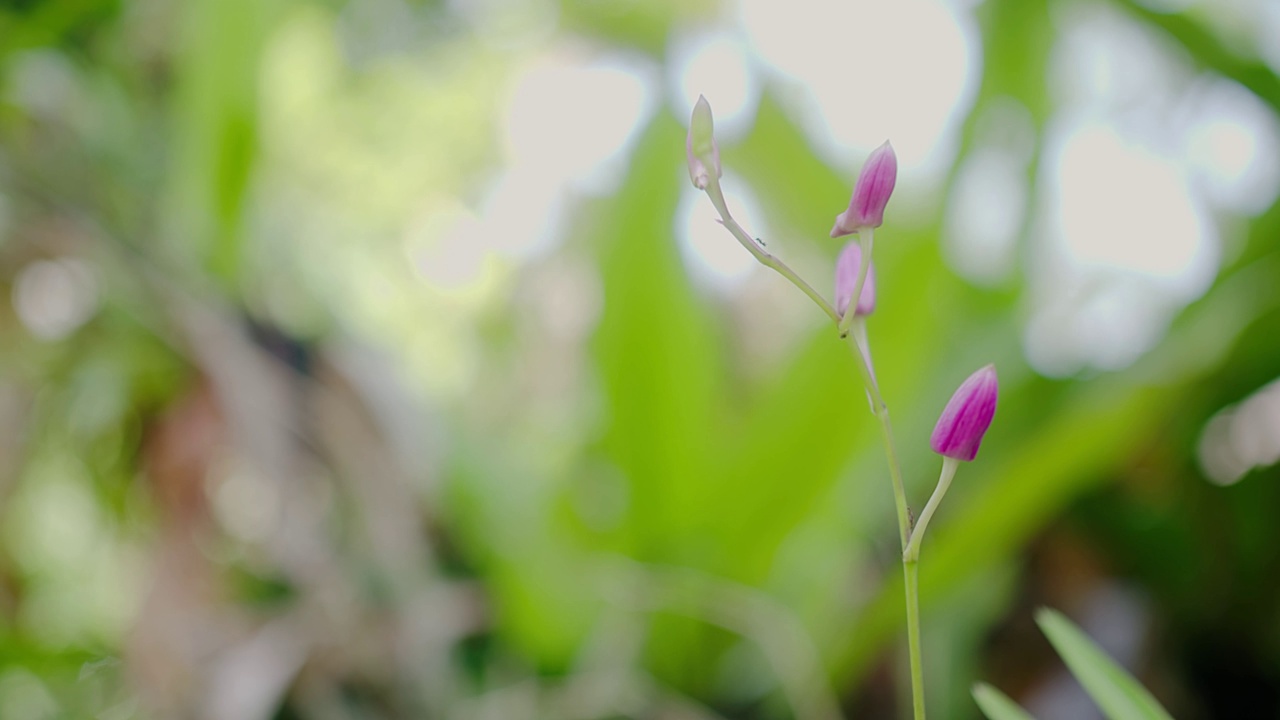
870	194
967	416
700	145
847	267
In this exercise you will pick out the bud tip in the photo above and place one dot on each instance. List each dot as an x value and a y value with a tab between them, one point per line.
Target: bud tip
967	416
870	193
700	148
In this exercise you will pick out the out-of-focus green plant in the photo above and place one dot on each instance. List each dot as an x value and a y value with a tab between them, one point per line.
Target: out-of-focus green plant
997	705
638	510
1116	692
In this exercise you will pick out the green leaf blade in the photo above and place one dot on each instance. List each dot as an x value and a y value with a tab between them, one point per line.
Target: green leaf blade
996	705
1117	693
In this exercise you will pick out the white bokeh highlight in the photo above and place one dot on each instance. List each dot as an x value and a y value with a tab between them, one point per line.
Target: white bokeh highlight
1123	244
713	256
53	298
570	123
1242	437
572	119
719	66
985	214
1232	146
858	73
1143	156
1126	207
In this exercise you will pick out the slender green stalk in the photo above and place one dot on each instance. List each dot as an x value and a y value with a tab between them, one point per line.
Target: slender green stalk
949	465
862	350
864	243
765	258
862	353
910	568
911	578
867	369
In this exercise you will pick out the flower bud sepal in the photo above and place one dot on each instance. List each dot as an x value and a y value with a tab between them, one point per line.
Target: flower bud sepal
701	151
866	241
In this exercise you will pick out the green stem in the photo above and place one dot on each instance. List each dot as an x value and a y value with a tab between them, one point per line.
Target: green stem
910	570
949	465
911	578
862	352
865	237
765	258
911	575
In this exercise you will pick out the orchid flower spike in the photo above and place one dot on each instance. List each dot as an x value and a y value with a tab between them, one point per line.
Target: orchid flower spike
870	194
847	267
967	416
700	145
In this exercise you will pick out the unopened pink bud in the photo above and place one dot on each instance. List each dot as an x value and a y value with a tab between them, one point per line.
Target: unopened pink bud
967	416
700	145
847	267
870	194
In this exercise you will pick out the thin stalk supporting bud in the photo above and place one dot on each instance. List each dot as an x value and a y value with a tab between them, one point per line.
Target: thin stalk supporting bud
956	437
704	170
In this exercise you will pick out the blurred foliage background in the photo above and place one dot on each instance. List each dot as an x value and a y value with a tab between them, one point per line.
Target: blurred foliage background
374	358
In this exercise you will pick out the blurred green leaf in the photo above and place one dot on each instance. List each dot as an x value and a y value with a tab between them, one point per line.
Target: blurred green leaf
215	135
1212	52
657	353
996	705
1017	39
49	23
1116	692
